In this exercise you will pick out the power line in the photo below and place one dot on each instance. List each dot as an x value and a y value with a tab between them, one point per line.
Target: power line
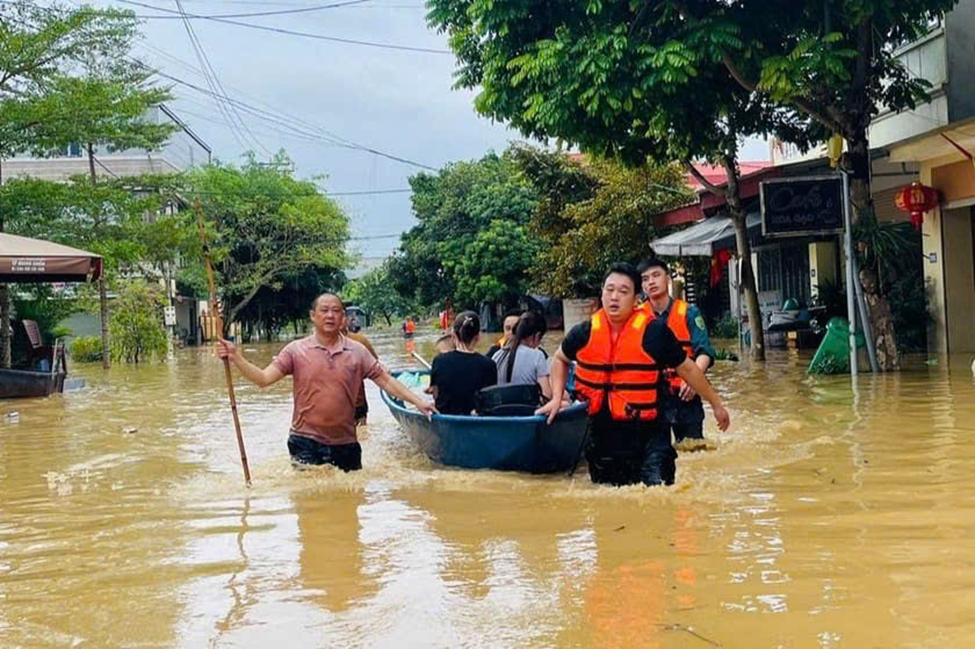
255	14
274	110
214	80
270	117
330	138
290	32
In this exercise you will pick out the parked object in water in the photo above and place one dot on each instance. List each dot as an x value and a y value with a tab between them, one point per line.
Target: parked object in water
833	355
15	384
501	443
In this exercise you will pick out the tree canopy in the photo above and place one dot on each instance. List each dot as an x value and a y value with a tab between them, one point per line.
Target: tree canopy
593	213
265	227
471	243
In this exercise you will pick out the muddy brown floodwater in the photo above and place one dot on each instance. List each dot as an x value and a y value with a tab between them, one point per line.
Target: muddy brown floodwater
824	518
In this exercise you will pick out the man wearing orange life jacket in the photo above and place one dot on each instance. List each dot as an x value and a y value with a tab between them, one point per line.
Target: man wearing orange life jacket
683	410
620	354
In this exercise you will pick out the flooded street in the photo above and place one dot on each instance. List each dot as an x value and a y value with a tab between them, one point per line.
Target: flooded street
823	519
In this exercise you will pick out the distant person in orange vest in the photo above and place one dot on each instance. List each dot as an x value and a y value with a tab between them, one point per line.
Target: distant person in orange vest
620	355
683	410
409	328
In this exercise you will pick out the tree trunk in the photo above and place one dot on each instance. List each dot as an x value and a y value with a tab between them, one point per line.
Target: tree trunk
747	279
749	288
103	310
4	326
102	283
4	309
91	164
879	306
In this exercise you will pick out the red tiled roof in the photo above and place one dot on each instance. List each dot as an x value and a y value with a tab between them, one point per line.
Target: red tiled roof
717	176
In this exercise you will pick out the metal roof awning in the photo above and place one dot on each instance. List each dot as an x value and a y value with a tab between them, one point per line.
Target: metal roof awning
24	260
707	237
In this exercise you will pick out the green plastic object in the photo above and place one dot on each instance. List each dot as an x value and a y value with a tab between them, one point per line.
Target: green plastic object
833	355
790	305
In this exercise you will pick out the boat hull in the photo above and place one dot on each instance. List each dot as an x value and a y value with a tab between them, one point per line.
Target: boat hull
16	384
524	444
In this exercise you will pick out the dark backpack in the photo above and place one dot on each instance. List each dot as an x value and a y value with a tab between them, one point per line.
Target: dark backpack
508	400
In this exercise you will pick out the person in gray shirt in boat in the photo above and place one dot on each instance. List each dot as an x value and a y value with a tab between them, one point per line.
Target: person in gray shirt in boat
520	362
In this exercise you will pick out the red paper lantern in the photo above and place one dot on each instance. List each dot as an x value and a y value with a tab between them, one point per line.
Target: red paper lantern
916	199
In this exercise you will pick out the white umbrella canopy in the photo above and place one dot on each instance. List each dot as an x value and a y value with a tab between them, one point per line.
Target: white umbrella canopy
26	260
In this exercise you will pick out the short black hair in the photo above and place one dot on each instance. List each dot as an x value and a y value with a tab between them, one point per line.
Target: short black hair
625	268
314	303
653	262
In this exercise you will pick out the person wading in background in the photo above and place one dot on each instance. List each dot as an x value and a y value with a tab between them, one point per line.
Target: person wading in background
620	354
327	370
507	328
683	409
361	403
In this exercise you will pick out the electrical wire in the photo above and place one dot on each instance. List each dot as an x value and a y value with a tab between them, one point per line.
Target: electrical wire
256	14
291	32
270	117
216	85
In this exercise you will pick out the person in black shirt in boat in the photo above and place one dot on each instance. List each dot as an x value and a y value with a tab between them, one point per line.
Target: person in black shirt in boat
456	376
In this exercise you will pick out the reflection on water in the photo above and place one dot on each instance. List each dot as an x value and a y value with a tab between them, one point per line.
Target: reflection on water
825	518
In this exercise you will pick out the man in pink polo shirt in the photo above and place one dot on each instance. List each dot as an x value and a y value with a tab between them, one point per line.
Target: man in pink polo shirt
328	369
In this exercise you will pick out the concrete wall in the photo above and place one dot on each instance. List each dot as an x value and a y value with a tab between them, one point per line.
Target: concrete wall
949	267
959	280
576	311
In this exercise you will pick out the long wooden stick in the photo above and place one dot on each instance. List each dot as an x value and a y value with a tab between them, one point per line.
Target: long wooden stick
218	326
422	360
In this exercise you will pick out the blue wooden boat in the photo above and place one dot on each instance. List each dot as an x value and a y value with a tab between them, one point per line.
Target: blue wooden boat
525	444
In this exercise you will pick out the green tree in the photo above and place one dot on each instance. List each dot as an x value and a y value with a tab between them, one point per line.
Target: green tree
137	327
273	308
108	109
607	218
611	78
470	243
37	43
128	229
374	293
832	62
265	226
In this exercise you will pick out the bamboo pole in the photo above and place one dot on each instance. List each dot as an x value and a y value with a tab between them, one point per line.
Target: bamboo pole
218	326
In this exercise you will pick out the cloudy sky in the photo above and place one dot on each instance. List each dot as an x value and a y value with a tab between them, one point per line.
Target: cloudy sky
394	101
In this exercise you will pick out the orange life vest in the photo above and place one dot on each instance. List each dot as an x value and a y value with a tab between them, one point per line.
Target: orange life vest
619	370
410	327
677	321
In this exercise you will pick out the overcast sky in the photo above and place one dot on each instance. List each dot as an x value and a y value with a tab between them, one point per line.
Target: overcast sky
394	101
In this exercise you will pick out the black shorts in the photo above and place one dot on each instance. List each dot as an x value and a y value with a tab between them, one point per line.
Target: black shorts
621	456
305	450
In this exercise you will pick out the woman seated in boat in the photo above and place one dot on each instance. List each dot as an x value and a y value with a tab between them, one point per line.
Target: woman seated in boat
457	375
520	361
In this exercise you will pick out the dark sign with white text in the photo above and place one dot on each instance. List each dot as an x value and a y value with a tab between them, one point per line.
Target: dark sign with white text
794	207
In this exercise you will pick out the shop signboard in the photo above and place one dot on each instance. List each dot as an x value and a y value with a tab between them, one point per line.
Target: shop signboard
802	206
